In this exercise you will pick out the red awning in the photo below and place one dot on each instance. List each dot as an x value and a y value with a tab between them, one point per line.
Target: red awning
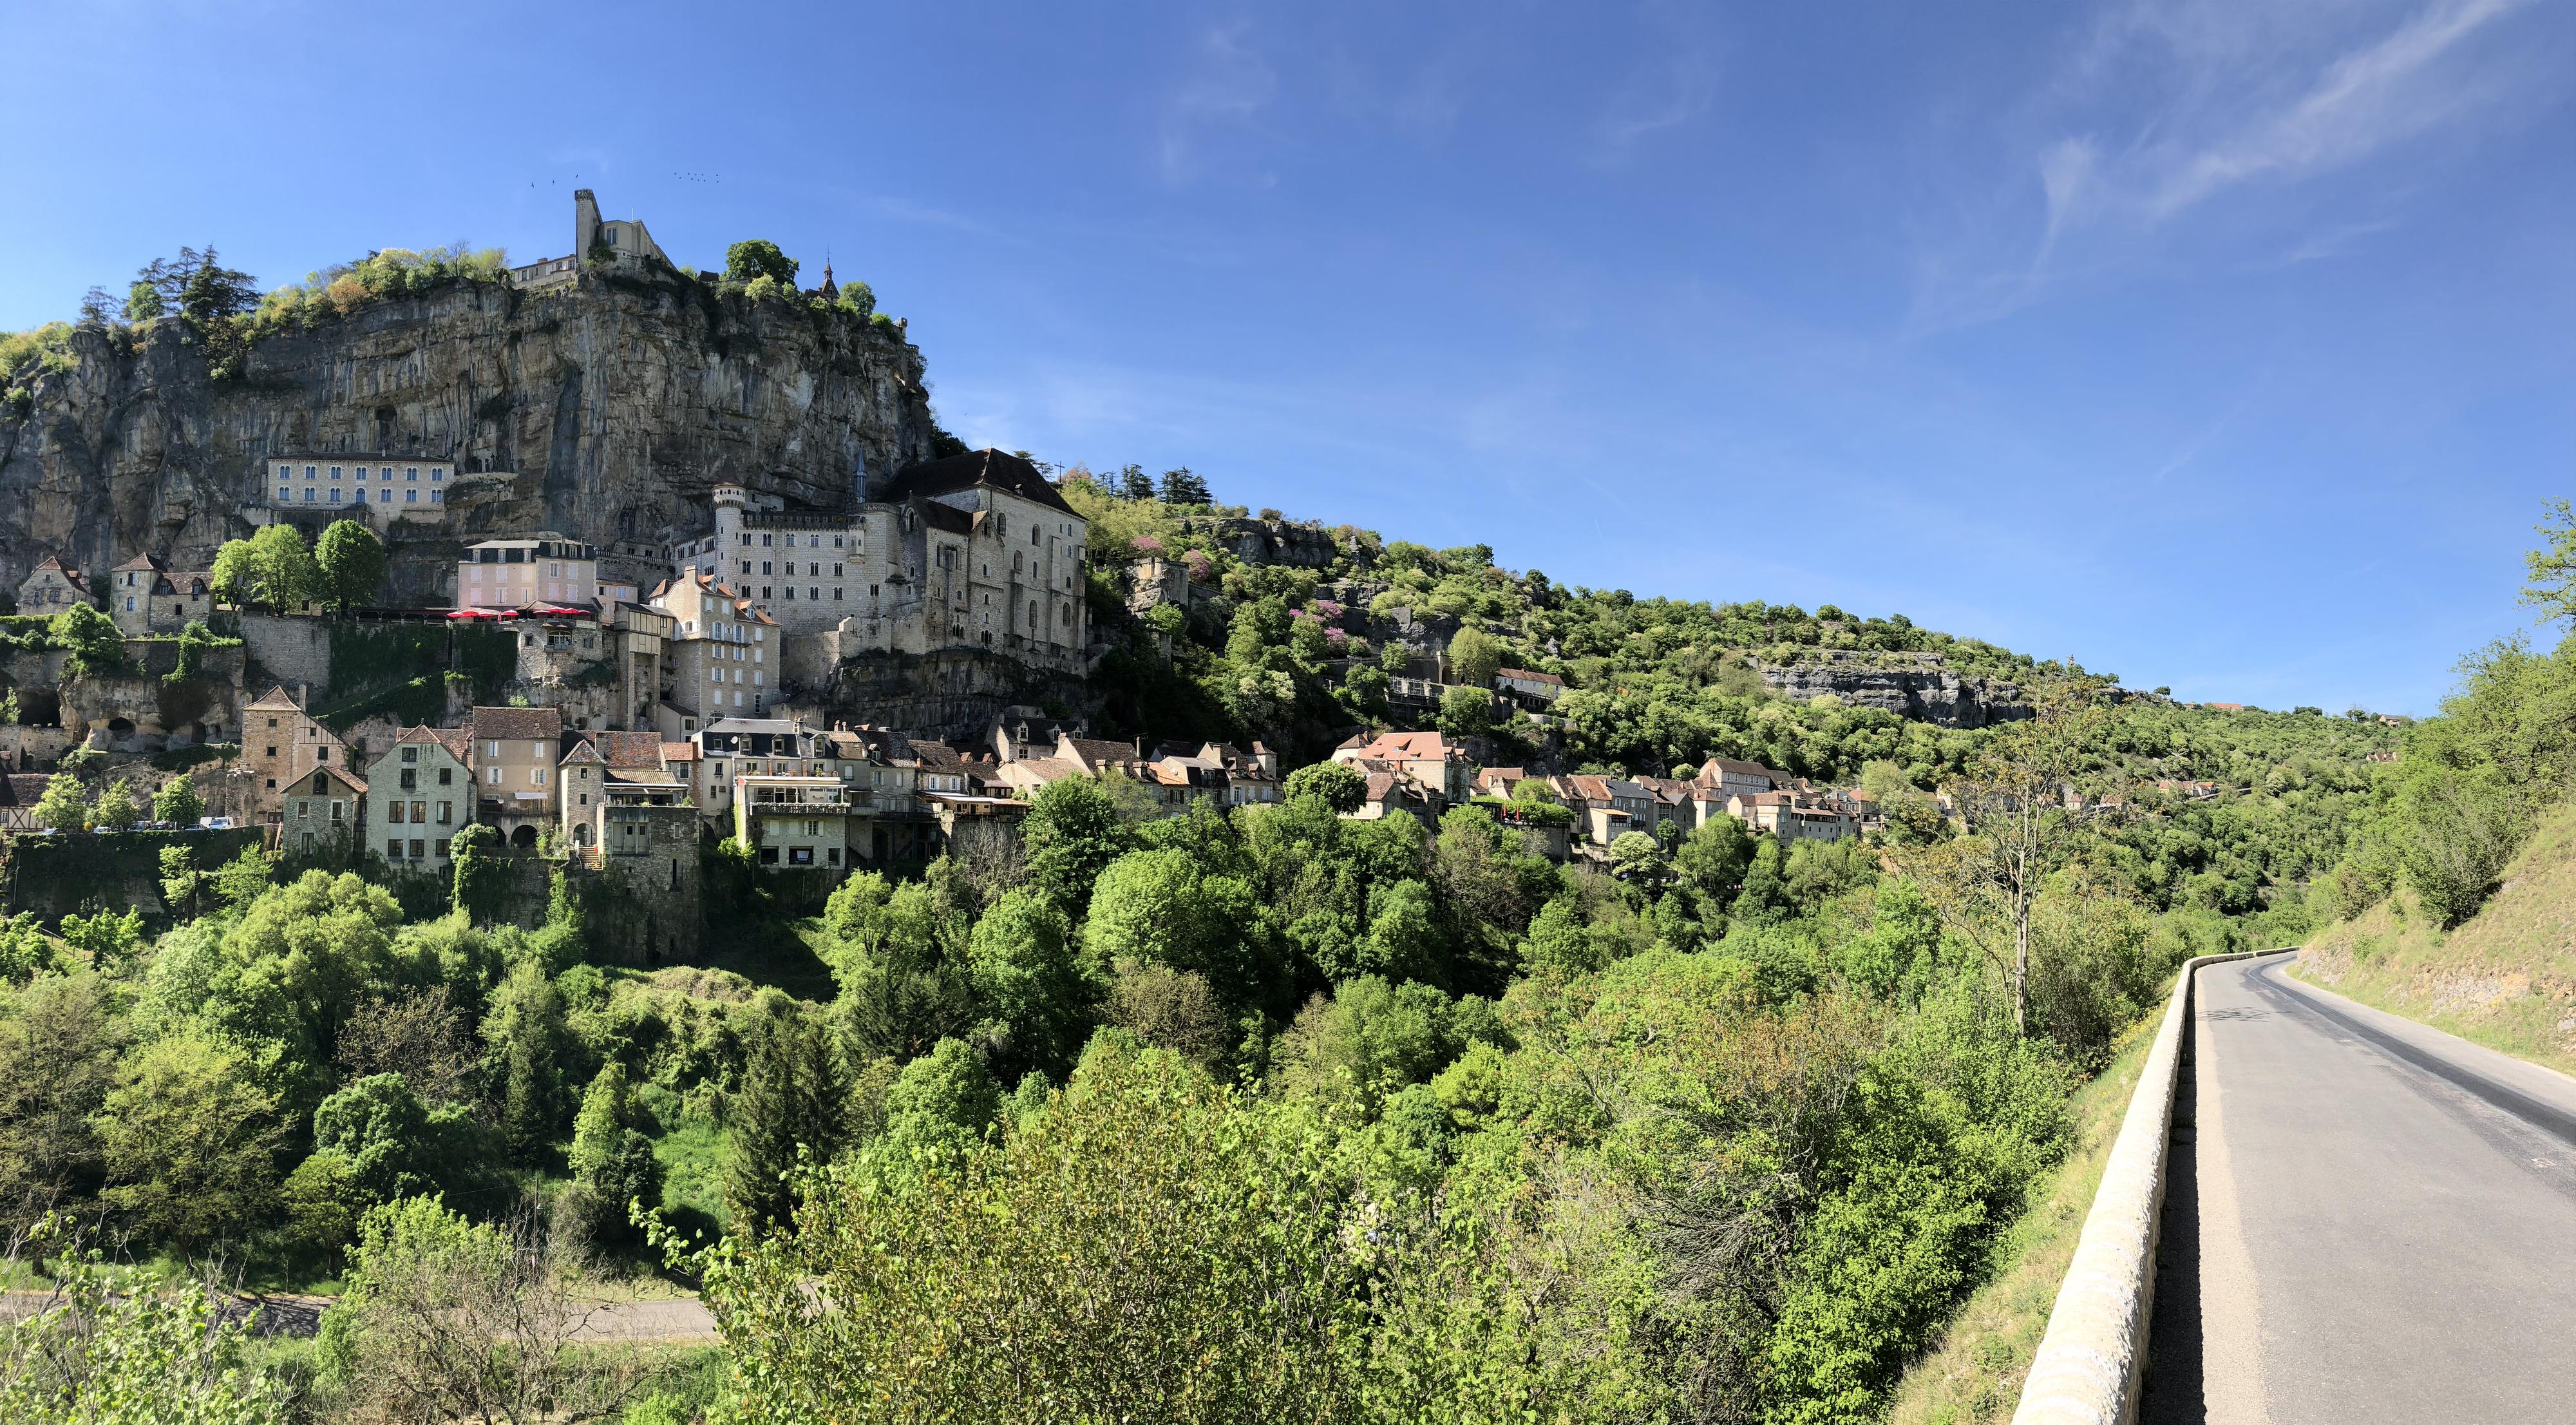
561	612
473	613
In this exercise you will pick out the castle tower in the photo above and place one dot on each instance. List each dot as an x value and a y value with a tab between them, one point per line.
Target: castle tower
830	289
585	222
731	502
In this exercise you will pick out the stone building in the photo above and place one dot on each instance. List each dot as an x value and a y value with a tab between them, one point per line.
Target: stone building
327	806
51	587
650	853
144	598
974	551
280	744
513	754
542	569
794	822
719	660
418	794
389	487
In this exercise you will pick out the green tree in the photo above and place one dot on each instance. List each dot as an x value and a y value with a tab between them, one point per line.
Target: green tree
62	807
1180	487
1158	906
759	257
97	1351
60	1037
177	802
1466	711
528	1036
1072	832
283	572
246	877
1028	972
105	937
235	578
1135	484
1337	785
2551	580
942	1102
794	1096
25	950
186	1137
95	643
114	810
1713	858
611	1158
1634	855
1474	656
349	564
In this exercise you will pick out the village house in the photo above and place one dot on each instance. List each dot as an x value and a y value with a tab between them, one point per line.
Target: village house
280	744
719	657
793	823
1610	805
1730	776
1391	791
418	794
1791	817
1440	765
514	756
144	598
51	587
611	769
543	570
325	807
1528	687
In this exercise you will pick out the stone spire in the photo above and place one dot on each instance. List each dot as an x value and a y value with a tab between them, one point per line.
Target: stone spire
830	291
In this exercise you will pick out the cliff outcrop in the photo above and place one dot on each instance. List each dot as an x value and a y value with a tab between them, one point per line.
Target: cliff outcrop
1928	693
613	403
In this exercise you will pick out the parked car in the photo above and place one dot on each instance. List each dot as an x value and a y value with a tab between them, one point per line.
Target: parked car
216	823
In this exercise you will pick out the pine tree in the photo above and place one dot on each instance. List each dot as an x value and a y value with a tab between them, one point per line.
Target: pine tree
1134	484
1180	487
611	1159
794	1094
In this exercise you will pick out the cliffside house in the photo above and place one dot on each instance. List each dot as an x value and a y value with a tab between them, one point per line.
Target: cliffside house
1792	817
716	660
281	745
395	487
976	550
614	768
1022	732
1440	765
543	570
1520	683
320	808
1609	805
514	751
592	238
143	598
418	794
794	823
51	587
1730	776
1392	791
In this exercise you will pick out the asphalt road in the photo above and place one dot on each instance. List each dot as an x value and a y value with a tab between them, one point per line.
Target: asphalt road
2366	1220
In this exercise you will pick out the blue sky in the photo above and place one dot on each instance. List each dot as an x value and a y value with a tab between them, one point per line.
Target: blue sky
2226	345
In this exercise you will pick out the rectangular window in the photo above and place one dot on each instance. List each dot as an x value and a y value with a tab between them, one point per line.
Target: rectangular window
444	819
336	807
446	776
393	811
393	849
439	847
303	810
419	812
415	851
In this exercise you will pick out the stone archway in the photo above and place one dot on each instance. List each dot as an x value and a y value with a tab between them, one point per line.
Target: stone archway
525	838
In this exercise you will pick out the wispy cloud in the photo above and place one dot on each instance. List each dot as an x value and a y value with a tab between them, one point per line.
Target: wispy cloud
1229	83
2170	105
1665	93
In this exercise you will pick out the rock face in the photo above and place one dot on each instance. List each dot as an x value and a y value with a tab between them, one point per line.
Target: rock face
616	401
1926	694
1269	541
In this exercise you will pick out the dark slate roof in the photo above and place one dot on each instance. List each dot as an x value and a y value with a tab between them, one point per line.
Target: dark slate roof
998	469
518	724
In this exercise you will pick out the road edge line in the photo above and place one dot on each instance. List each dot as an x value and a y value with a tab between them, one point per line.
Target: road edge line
2090	1368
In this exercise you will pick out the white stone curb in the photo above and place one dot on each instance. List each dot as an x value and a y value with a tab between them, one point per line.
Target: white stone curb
2093	1361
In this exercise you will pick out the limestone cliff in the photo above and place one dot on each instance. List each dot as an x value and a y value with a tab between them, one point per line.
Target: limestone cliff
617	401
1926	693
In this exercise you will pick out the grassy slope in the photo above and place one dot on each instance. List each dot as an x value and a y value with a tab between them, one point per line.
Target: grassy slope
2506	978
1973	1372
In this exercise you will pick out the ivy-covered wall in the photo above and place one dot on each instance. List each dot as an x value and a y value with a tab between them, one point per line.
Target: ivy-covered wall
54	875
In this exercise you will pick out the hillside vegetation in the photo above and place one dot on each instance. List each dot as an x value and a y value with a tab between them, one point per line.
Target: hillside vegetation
2505	978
